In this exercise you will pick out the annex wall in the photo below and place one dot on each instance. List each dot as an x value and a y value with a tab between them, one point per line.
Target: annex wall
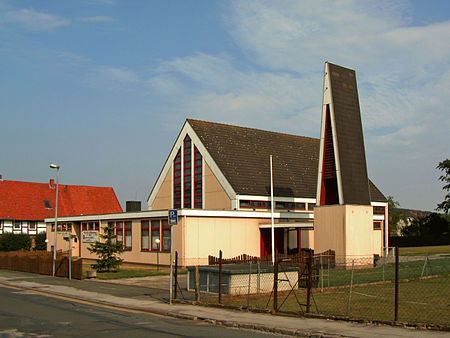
207	235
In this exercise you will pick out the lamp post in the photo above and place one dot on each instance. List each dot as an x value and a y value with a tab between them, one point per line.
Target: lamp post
157	241
55	166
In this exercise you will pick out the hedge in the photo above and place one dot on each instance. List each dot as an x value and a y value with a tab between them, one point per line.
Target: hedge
13	242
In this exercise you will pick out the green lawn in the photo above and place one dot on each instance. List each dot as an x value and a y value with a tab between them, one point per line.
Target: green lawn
131	273
424	250
424	293
420	301
407	270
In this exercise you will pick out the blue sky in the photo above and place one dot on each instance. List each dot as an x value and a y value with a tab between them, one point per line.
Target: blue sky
103	87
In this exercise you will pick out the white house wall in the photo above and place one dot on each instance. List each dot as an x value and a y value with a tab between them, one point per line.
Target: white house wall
7	227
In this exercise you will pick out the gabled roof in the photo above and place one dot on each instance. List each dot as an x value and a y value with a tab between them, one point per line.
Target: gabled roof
26	200
242	154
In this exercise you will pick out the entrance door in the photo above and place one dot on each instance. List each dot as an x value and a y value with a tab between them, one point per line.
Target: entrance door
266	241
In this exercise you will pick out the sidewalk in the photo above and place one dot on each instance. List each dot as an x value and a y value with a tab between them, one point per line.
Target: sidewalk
142	294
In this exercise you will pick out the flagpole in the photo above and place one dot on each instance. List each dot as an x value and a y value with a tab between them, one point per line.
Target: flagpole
271	207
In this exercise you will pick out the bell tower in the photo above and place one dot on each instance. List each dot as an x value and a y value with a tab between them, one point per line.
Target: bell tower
343	217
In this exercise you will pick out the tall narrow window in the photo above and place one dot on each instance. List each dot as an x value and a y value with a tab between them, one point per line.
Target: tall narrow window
187	167
177	181
128	229
198	170
155	235
144	235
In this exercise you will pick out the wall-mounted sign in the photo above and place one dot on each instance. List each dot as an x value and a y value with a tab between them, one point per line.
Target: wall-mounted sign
89	236
173	217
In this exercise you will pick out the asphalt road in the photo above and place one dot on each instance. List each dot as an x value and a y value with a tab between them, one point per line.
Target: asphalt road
26	314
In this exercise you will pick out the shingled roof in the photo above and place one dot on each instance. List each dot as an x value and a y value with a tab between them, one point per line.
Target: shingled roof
25	200
242	154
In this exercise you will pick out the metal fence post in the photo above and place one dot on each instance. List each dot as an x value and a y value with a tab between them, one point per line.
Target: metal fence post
175	282
275	284
350	292
321	273
328	276
258	281
197	284
249	283
426	261
309	285
220	276
396	284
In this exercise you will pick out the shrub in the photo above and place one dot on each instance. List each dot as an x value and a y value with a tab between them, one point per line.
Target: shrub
13	242
39	241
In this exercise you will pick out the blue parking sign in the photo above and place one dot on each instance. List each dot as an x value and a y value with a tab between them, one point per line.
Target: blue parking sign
173	217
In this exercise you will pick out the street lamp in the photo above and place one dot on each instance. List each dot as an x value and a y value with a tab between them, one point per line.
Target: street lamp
157	241
55	166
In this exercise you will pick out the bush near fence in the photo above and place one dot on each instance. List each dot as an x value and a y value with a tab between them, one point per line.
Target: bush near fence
41	262
409	289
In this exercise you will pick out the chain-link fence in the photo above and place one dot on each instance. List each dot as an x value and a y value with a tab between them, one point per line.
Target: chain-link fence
414	290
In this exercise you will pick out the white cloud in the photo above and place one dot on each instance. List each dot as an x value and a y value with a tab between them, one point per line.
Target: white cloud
34	20
118	75
98	18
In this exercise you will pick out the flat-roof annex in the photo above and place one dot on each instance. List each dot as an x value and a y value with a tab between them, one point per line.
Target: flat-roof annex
186	212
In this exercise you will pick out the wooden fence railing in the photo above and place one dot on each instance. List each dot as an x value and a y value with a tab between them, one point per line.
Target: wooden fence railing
41	262
244	258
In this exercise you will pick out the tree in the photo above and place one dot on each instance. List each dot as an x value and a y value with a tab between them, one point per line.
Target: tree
445	177
107	251
415	228
432	226
395	215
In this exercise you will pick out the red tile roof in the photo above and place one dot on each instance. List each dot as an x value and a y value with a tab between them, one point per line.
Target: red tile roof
25	200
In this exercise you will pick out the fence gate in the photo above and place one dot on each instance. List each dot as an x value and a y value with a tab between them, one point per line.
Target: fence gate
294	278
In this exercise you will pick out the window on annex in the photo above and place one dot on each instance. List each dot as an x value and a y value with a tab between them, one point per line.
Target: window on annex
91	226
165	235
160	235
378	210
187	172
124	234
1	225
300	206
156	235
17	225
244	204
145	235
119	232
128	235
198	170
377	225
311	206
177	181
62	226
